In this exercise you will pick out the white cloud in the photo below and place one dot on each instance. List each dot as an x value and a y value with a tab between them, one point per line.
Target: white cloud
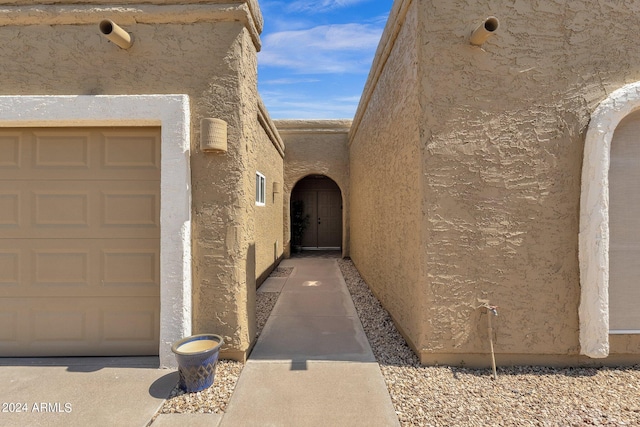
292	106
341	48
288	81
349	99
309	69
319	6
328	37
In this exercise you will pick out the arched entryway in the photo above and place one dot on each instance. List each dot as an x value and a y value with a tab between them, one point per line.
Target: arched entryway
320	201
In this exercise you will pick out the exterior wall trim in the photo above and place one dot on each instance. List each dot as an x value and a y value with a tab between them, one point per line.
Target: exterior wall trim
289	127
593	238
270	128
172	114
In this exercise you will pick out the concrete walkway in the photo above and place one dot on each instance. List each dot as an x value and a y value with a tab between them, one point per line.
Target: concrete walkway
312	365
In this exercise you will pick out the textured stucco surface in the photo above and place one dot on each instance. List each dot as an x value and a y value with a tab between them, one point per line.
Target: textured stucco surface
501	137
315	147
224	204
386	171
206	54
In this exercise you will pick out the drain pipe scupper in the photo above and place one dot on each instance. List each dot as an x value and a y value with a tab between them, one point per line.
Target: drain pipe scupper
114	33
485	30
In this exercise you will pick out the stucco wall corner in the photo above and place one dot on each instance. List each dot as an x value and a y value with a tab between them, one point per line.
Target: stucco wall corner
594	220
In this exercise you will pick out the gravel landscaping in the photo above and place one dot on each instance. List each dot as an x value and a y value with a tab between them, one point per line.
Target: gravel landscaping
449	396
281	272
521	396
215	399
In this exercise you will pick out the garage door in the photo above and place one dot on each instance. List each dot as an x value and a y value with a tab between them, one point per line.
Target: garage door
79	241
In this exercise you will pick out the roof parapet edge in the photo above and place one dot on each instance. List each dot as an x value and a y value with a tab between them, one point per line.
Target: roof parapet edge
397	18
269	127
247	12
288	126
256	14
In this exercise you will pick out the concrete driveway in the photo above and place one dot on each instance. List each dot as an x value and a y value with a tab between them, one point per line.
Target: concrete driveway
88	391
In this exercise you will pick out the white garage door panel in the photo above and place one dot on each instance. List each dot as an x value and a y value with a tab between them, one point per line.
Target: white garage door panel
79	241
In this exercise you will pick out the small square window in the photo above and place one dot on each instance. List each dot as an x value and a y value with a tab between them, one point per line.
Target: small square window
261	187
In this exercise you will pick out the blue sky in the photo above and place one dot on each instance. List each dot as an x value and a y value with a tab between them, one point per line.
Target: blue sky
316	55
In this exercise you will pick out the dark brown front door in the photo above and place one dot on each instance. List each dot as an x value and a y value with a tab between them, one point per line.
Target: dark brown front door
323	204
329	219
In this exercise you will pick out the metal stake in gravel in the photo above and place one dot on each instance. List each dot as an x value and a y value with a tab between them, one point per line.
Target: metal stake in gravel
491	309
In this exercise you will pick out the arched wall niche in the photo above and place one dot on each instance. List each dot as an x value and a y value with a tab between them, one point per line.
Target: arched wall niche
594	236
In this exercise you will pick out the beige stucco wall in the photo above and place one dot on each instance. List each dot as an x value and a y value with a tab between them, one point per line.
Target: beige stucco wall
386	170
315	147
501	136
206	51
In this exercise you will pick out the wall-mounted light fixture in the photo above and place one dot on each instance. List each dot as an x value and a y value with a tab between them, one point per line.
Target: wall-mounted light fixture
484	31
114	33
213	135
277	187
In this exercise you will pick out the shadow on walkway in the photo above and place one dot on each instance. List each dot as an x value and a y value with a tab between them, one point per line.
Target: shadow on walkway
317	254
